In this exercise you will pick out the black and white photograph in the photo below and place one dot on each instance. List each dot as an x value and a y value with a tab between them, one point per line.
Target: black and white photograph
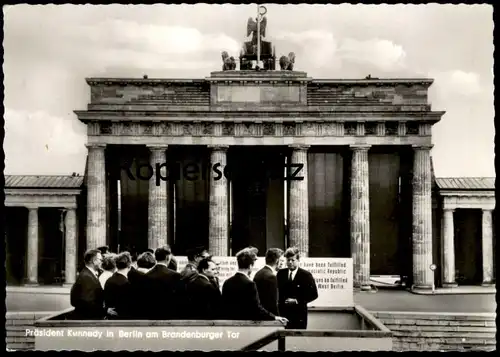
249	177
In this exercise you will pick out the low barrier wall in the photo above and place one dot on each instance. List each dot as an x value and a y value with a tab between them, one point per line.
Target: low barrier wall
56	333
350	329
16	324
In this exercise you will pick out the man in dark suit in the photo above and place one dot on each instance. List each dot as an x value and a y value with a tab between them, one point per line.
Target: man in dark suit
240	299
194	255
138	279
163	287
266	282
188	275
87	296
296	288
118	290
104	251
204	298
172	265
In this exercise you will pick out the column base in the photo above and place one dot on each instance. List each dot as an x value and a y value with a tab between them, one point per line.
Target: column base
450	285
67	285
31	284
421	287
366	288
487	284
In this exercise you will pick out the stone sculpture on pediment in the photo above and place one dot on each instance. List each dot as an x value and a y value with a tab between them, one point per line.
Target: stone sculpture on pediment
287	62
228	63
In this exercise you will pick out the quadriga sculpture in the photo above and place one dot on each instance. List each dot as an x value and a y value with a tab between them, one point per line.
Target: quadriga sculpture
228	63
286	63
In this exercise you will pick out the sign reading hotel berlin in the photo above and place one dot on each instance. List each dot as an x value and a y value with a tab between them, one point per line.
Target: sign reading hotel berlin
334	277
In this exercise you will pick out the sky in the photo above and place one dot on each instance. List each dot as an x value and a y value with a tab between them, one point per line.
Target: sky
49	50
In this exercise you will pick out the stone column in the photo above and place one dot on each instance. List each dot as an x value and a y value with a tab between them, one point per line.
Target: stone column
32	256
158	200
423	276
298	221
71	247
218	239
487	248
360	217
448	249
96	197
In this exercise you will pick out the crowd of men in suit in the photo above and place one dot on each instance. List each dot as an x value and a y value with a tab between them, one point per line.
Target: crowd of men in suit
148	287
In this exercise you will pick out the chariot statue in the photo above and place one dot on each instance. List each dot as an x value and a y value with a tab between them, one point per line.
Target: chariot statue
257	49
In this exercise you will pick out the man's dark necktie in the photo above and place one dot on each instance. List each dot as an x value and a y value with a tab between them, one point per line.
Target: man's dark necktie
290	276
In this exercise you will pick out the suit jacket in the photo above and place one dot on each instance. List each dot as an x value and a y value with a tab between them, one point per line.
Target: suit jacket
119	296
303	288
188	275
87	296
138	281
215	282
188	271
240	300
163	292
267	286
204	299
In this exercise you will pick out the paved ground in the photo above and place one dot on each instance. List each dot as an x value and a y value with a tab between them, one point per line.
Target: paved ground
404	301
382	300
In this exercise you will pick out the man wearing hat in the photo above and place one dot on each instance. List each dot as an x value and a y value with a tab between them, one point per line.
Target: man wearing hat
194	256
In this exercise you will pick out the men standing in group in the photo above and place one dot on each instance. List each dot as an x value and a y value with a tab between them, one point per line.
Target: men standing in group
118	294
296	288
87	296
204	297
240	299
266	281
163	287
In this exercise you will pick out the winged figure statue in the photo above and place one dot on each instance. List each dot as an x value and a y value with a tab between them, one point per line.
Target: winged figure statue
252	28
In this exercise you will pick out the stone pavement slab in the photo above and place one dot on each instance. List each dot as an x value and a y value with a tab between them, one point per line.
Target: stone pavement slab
459	290
398	300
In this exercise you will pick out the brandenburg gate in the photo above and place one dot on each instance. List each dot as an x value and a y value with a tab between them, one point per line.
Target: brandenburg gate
363	147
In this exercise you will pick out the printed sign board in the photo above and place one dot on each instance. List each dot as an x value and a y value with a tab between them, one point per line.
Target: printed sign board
333	276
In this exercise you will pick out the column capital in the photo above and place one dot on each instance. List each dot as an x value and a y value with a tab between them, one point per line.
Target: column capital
69	208
299	147
487	209
95	146
32	207
216	147
447	209
157	147
422	147
361	147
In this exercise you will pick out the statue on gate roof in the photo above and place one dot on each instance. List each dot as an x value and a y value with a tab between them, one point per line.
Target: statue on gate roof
228	63
257	50
252	28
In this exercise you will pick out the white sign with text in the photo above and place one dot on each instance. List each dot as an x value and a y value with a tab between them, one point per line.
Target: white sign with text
333	276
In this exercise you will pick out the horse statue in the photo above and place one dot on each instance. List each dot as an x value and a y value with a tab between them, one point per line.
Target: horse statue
228	63
286	63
